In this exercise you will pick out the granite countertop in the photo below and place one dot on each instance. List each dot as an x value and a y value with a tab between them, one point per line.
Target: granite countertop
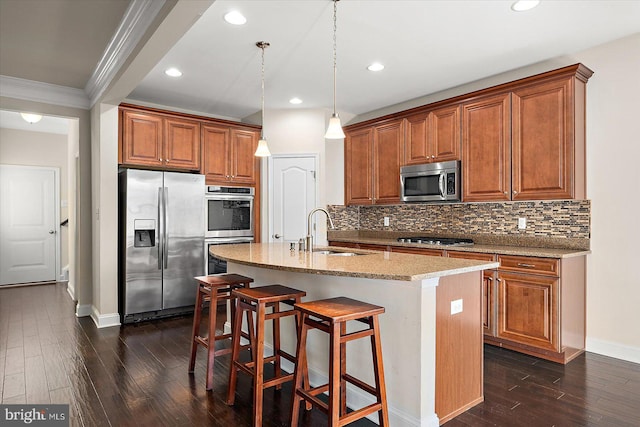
481	248
369	264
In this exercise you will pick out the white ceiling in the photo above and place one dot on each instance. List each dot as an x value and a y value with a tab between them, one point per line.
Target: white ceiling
48	124
426	46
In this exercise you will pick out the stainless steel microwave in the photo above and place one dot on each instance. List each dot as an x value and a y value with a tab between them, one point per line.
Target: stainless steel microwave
228	212
431	182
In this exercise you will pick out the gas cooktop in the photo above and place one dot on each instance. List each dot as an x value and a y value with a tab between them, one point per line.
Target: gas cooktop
444	241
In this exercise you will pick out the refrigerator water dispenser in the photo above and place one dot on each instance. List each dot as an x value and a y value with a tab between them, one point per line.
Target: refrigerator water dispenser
144	233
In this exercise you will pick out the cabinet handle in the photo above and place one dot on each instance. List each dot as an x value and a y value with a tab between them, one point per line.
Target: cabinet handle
433	157
506	193
525	265
515	192
490	279
160	158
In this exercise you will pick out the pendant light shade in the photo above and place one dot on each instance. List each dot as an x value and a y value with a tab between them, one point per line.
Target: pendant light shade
263	148
334	130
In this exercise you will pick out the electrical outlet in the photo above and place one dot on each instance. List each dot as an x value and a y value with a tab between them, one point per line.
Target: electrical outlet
456	306
386	221
522	223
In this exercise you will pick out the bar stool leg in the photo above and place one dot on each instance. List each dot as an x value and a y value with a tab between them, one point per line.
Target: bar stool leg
233	371
258	365
300	370
197	316
211	347
343	371
334	375
378	370
277	363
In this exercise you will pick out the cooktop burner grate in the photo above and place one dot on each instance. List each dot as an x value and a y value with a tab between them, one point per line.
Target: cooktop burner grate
443	241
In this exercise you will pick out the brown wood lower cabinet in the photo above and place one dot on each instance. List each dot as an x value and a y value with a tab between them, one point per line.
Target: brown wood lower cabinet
541	306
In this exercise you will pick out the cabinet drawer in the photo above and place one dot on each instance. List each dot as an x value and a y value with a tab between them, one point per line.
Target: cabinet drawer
417	251
546	266
471	255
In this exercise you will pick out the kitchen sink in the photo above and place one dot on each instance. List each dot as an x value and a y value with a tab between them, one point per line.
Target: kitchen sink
335	253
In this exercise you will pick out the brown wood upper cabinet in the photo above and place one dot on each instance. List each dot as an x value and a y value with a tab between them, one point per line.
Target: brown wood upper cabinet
228	155
154	140
528	143
433	136
372	164
486	149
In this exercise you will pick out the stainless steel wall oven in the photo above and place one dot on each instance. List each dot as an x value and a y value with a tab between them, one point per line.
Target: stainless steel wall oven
228	220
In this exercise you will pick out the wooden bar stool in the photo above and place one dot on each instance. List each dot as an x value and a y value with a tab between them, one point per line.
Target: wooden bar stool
213	288
333	315
256	300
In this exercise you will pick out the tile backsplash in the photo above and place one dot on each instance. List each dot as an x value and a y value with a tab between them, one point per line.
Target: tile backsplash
564	219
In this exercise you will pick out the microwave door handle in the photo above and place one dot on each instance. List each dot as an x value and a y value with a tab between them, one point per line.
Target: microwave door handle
441	184
160	239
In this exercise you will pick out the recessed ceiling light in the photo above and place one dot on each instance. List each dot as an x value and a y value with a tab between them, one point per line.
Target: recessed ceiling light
524	5
295	101
31	118
173	72
236	18
376	66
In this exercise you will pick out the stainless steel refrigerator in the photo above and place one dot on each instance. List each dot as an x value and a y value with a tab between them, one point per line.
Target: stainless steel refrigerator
161	238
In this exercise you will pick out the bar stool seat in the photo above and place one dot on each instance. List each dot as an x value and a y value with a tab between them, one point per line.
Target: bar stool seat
257	300
331	316
213	289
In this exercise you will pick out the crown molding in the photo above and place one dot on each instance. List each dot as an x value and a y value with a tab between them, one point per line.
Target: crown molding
47	93
135	22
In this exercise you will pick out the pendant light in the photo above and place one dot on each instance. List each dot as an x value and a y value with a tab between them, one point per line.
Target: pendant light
334	130
263	148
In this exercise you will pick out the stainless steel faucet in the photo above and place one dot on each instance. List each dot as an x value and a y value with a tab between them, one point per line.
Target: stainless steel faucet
309	240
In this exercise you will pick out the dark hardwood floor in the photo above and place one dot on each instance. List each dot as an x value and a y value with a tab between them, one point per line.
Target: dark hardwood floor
136	375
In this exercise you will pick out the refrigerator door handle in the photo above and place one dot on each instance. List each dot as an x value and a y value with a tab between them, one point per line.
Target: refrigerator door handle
164	232
160	236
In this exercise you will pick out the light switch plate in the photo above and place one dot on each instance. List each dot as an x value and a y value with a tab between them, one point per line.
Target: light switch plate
456	306
522	223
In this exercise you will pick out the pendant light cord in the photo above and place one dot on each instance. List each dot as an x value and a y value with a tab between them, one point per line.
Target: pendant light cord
262	45
335	48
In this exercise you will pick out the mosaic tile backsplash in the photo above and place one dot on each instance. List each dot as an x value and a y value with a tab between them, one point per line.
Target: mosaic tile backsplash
570	219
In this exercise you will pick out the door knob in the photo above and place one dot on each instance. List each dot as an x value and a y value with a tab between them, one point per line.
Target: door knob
52	232
276	236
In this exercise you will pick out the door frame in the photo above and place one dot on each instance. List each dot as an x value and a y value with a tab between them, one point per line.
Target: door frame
56	218
316	161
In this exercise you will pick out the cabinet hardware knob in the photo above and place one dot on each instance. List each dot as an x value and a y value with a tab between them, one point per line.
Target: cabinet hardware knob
276	236
433	157
506	193
515	192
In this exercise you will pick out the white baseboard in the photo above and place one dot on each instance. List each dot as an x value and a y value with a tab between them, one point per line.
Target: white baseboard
71	291
356	397
612	349
104	320
83	310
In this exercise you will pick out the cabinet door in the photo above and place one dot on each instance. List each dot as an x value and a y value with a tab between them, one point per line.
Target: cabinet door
358	159
416	140
543	141
486	149
243	160
215	154
388	141
528	310
445	134
182	144
141	139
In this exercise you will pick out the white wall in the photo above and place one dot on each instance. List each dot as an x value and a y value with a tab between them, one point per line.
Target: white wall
613	185
20	147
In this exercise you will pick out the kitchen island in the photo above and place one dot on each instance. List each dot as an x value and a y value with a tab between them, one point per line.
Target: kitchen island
432	358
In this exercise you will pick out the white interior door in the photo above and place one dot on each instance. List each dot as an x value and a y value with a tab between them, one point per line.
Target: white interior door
28	224
293	195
